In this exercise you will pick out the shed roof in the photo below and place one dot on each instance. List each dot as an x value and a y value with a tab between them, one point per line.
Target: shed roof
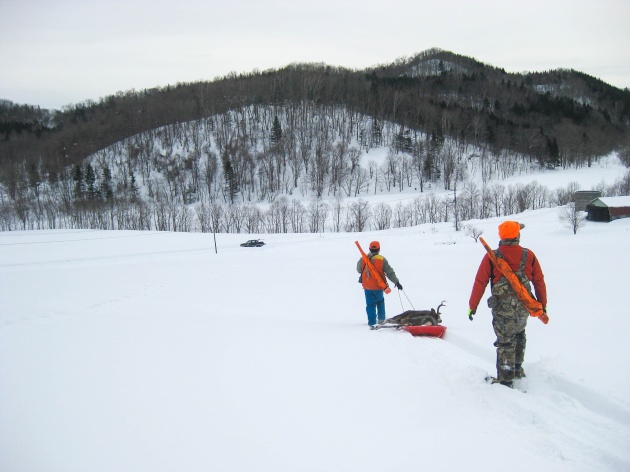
611	202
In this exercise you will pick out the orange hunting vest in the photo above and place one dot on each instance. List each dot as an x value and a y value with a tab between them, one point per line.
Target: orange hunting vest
369	282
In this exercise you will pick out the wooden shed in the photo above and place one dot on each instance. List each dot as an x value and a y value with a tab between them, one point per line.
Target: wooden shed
608	208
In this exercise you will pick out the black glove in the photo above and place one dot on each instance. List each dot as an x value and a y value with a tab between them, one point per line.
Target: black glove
398	286
471	312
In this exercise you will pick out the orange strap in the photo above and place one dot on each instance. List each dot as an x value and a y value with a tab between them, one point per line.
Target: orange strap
534	307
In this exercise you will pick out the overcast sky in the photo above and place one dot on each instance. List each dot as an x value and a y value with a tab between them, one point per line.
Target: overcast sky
61	52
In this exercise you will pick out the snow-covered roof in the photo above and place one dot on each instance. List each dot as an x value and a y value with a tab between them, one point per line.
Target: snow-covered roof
615	202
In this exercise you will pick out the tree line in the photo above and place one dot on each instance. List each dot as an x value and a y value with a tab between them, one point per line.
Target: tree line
285	214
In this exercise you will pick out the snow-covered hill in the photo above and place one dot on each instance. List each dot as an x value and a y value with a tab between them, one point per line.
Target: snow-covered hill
148	351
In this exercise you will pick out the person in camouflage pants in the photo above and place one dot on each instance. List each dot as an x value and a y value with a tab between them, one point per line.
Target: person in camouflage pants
509	316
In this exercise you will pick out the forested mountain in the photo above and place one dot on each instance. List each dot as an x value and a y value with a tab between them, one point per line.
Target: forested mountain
257	137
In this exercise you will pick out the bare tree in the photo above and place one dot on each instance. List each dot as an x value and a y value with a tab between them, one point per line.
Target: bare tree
382	216
449	166
297	215
402	214
562	196
523	197
473	232
203	218
316	215
253	219
216	217
470	201
338	210
358	215
571	218
459	174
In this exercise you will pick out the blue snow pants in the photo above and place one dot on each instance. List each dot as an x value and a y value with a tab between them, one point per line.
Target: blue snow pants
375	303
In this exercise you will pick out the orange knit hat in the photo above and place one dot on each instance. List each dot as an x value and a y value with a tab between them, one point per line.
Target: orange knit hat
510	229
375	246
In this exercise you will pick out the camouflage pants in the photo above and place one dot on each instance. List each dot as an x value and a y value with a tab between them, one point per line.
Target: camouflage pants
509	319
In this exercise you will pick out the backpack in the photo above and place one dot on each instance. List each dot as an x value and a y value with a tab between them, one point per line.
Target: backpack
502	289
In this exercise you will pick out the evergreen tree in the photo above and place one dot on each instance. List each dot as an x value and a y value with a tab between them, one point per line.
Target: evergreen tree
231	184
90	181
77	177
135	191
276	132
404	142
377	134
554	153
106	183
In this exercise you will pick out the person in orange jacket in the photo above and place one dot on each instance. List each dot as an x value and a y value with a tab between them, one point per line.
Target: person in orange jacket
374	294
509	316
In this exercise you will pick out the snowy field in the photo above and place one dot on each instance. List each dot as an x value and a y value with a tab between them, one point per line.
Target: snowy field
131	351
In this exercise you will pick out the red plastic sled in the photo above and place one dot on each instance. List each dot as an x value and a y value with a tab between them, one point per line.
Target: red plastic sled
436	331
